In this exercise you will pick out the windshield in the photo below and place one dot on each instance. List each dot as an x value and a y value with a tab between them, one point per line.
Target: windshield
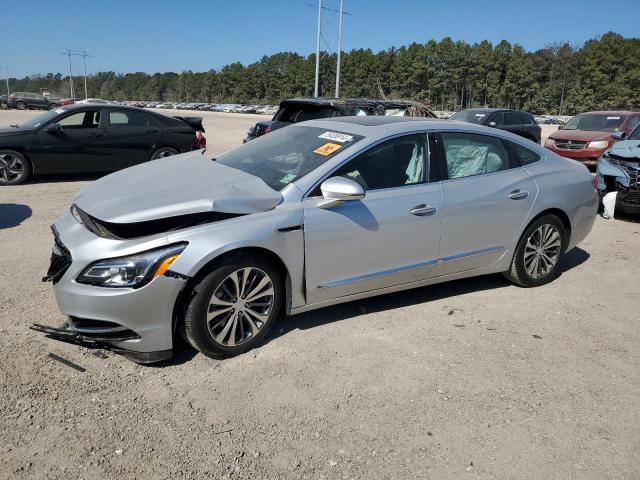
470	116
41	119
596	122
284	156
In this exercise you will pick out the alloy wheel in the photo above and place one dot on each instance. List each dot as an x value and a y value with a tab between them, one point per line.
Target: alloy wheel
11	167
542	251
240	306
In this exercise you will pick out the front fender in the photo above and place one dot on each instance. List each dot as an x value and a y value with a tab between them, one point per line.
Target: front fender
607	169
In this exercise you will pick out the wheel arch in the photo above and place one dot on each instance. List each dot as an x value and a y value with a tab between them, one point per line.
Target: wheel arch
187	291
561	214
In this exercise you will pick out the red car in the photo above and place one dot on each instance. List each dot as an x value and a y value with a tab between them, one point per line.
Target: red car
587	135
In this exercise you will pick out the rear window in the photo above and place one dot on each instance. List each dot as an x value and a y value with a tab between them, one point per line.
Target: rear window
300	113
471	116
288	154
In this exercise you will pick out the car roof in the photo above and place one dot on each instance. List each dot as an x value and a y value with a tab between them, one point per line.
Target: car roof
328	101
609	112
379	126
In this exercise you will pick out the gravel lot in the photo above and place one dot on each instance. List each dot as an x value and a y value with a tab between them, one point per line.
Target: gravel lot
469	379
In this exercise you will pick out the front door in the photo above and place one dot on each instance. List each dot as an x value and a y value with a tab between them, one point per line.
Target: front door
390	237
74	147
487	198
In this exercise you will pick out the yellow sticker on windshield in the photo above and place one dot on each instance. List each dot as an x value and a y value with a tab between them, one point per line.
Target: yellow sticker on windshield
327	149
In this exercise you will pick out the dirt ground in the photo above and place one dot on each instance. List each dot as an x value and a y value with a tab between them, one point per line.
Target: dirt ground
465	380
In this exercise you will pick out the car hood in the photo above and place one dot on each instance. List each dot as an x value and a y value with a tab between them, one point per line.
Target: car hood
580	135
625	149
12	132
173	186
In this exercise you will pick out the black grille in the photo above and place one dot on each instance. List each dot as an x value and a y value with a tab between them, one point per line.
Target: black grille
630	197
570	144
60	260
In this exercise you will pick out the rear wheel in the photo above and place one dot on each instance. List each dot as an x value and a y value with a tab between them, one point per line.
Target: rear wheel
163	152
537	257
52	106
234	307
14	168
21	105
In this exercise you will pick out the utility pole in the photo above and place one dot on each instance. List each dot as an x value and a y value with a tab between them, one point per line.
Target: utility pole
317	84
339	50
84	57
68	54
6	76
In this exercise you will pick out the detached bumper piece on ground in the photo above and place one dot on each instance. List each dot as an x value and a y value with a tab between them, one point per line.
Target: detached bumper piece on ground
96	342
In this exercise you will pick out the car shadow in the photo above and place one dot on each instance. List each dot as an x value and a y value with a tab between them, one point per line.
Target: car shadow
183	352
627	217
13	214
405	298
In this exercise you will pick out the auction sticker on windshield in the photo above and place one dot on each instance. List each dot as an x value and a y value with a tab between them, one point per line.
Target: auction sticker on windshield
327	149
336	137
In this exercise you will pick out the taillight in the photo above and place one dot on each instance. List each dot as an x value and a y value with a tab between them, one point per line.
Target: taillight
267	130
594	181
11	97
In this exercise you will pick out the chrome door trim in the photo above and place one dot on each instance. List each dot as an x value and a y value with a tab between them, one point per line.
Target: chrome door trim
392	271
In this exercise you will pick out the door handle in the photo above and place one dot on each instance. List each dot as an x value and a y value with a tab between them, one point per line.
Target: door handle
423	210
95	135
518	195
152	130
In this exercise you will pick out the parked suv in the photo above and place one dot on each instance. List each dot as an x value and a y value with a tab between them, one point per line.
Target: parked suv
298	110
514	121
588	135
24	100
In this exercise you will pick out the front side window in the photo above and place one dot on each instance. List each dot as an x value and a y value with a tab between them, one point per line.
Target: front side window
287	154
85	119
395	163
469	154
512	118
127	119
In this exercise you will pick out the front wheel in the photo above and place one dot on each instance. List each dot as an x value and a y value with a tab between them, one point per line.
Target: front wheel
163	152
538	254
14	168
21	105
233	308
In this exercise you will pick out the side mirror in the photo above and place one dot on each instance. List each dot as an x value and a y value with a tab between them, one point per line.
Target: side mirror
492	124
618	135
53	129
336	190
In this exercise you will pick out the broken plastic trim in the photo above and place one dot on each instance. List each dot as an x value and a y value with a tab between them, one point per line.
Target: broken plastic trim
69	336
127	231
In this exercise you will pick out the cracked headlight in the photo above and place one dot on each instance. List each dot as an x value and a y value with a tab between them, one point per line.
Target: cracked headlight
133	271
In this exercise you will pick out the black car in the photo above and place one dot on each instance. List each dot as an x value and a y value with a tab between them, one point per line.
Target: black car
92	138
24	100
300	109
514	121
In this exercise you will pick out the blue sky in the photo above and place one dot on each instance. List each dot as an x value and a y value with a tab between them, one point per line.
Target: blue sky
162	35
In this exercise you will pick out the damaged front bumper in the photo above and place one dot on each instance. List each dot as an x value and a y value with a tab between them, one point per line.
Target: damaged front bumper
65	334
620	175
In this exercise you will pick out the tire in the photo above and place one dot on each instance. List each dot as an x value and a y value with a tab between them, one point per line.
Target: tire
163	152
219	325
542	264
21	106
14	168
52	106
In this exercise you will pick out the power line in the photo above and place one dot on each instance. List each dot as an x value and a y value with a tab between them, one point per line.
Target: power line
84	55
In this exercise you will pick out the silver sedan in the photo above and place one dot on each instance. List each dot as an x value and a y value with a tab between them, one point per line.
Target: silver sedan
314	214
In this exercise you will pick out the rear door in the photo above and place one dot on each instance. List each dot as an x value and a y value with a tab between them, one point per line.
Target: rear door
74	147
130	137
513	123
487	196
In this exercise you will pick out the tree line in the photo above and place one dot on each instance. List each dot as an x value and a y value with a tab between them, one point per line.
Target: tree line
604	73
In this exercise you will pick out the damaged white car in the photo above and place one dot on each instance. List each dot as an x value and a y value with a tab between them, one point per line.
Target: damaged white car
316	214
